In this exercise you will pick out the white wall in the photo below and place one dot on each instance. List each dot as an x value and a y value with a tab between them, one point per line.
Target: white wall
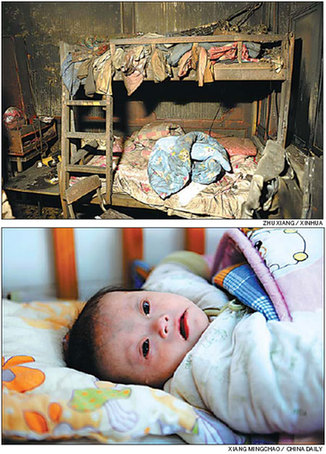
27	265
27	258
159	242
98	259
213	236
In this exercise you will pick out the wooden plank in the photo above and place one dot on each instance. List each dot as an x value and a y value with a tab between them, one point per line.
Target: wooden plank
247	71
86	169
286	94
65	264
82	187
124	200
33	180
195	240
132	249
222	71
85	102
86	135
109	147
198	39
65	145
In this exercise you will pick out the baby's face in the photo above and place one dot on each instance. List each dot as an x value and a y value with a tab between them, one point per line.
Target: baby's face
142	337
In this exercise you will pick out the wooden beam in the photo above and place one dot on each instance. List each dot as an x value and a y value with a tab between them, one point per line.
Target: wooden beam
132	247
199	39
65	263
195	240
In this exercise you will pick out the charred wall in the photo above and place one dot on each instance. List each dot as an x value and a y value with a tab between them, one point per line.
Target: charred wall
44	24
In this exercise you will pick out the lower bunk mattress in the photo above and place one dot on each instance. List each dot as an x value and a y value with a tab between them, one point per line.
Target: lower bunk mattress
221	199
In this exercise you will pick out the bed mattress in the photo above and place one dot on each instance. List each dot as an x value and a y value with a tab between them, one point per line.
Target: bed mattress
221	199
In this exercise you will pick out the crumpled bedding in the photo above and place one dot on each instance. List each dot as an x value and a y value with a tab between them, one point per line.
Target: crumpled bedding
174	160
94	65
179	50
287	262
221	199
240	280
257	376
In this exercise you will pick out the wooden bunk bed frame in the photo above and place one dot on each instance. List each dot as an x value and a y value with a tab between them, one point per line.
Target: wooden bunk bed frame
244	71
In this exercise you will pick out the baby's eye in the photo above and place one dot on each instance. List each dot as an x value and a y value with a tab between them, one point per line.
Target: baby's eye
146	307
145	348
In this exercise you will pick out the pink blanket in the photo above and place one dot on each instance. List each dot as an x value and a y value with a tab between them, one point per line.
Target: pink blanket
288	262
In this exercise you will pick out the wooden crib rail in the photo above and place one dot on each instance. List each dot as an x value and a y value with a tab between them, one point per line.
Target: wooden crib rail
65	263
132	249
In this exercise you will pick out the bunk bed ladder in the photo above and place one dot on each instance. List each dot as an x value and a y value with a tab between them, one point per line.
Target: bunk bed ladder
69	134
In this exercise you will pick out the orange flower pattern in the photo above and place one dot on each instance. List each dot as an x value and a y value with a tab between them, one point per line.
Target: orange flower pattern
20	378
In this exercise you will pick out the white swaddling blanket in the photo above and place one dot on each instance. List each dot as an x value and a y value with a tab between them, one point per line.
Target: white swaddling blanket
257	376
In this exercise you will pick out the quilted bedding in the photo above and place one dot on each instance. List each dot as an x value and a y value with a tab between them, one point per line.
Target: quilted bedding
222	199
287	262
262	372
257	376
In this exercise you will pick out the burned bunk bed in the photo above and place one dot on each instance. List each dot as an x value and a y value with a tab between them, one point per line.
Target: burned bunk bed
122	163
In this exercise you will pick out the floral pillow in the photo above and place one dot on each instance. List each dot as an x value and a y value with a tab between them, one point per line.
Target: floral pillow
45	400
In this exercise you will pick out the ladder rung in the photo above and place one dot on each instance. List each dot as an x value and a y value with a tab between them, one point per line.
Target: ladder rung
86	135
86	169
85	102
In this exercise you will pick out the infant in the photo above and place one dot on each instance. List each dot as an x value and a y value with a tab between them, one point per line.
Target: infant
137	337
141	336
256	375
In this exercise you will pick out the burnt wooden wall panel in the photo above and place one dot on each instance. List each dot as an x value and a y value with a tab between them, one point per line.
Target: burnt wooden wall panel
165	17
308	28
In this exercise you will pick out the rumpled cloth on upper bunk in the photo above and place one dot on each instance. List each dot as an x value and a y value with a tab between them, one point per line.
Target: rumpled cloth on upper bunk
160	67
69	73
175	159
177	51
229	52
132	64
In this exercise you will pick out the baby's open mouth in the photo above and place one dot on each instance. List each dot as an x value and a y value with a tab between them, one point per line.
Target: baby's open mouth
183	325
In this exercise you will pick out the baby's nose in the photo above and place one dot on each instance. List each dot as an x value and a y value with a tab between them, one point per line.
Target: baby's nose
162	325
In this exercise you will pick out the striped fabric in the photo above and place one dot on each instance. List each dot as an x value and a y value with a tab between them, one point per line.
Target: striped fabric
241	282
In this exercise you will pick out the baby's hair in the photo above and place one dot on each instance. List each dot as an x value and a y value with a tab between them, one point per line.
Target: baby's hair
80	350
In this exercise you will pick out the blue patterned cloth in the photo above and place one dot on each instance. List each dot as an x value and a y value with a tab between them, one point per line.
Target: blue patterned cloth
242	283
69	72
139	273
176	159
